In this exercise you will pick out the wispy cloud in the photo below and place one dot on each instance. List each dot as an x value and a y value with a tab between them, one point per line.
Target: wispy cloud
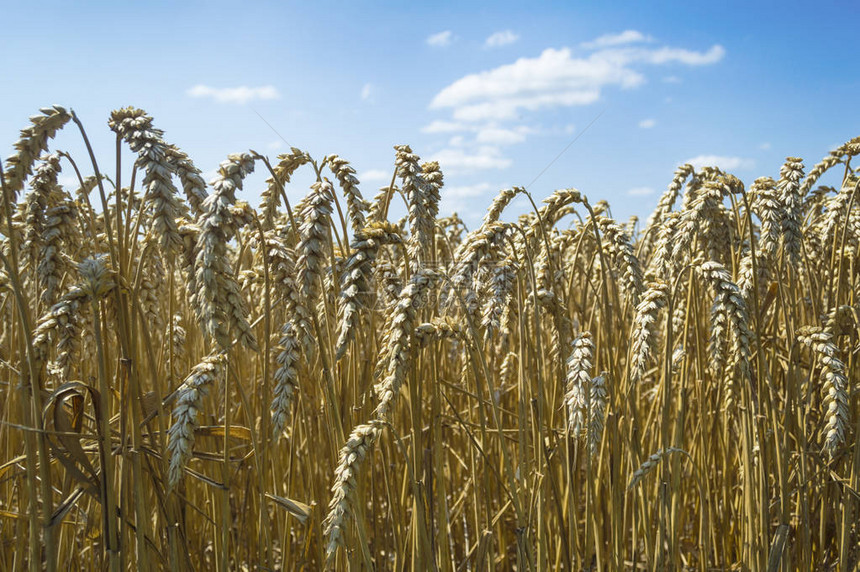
491	109
476	147
499	39
609	40
463	160
765	146
441	40
640	191
461	198
557	78
722	161
503	136
375	175
239	95
490	133
466	191
444	127
367	92
688	57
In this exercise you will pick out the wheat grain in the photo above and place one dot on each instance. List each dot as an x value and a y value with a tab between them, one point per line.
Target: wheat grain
834	386
649	465
355	205
730	310
644	323
356	279
286	378
218	302
60	232
839	155
506	371
192	180
496	314
576	398
791	197
621	253
596	412
134	126
499	203
350	459
422	199
288	163
30	145
400	327
45	193
189	403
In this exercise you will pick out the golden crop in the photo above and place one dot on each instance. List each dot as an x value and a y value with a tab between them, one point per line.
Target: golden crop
189	383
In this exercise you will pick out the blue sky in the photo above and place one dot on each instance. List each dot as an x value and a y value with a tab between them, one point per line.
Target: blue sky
494	91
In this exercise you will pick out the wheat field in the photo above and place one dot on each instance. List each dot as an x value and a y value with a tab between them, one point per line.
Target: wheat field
189	382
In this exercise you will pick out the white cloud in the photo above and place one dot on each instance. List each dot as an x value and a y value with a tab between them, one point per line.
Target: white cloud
367	92
275	145
608	40
484	105
462	198
556	78
640	191
500	39
444	127
488	133
764	146
671	79
460	160
375	175
502	136
466	191
240	95
723	162
441	40
688	57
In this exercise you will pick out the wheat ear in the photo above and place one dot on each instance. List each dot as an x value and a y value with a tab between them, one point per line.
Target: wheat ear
30	145
218	301
579	366
189	402
834	386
